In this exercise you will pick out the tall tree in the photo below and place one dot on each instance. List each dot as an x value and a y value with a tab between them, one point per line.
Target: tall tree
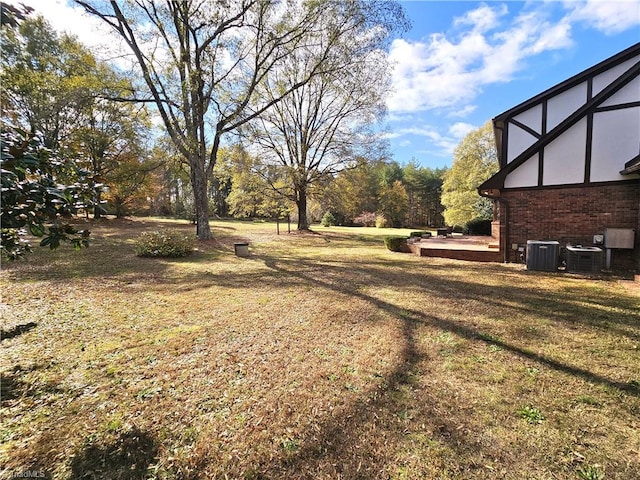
54	87
33	199
354	191
202	61
474	160
111	143
424	190
394	203
323	126
130	185
251	195
46	79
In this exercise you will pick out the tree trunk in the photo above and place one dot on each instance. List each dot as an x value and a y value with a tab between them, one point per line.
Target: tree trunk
97	209
120	208
301	202
201	199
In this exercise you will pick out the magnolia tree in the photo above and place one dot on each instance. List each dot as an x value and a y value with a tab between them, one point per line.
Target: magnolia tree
202	64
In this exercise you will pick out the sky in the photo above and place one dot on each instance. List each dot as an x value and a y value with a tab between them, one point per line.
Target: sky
463	62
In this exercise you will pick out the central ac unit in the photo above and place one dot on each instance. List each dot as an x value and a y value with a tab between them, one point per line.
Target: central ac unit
584	259
543	255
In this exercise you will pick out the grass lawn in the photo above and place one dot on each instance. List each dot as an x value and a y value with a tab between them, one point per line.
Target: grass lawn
321	356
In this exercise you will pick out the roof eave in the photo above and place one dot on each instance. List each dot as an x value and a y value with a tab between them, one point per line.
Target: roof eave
632	166
623	56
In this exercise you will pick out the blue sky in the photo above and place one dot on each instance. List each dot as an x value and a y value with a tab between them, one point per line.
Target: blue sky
463	63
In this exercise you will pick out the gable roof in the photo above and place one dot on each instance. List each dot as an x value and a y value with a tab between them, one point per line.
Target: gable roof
496	182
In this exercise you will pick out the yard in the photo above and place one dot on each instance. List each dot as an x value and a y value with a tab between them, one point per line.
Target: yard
322	355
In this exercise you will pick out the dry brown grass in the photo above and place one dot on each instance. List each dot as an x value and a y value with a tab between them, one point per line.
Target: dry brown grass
320	356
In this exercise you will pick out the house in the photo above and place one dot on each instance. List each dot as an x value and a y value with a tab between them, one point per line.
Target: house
570	163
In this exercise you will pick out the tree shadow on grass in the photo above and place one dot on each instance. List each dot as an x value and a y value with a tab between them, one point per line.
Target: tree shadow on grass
10	388
343	448
17	330
13	386
127	457
460	329
598	309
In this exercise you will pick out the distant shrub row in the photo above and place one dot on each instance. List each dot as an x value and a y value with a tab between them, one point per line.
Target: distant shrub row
365	219
168	243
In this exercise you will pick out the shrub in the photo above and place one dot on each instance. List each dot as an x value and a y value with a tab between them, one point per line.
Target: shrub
168	243
417	233
396	244
328	220
381	221
479	226
365	219
457	229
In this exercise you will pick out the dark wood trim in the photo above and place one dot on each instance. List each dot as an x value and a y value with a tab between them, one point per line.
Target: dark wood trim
526	128
588	149
632	166
544	132
635	161
573	185
505	146
629	53
620	106
589	135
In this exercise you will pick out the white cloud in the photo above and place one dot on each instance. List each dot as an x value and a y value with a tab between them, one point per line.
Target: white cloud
71	19
482	19
431	75
609	17
461	129
463	112
439	144
448	71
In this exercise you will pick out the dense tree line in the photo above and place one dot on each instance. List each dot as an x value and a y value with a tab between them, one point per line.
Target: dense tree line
254	123
387	192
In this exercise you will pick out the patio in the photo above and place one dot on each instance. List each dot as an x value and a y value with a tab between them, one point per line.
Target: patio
459	247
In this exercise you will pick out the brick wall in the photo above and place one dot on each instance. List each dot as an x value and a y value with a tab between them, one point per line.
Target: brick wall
572	215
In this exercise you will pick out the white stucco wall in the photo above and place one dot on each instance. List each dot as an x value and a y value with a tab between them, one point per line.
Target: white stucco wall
564	158
519	141
630	93
532	118
616	140
564	104
526	175
605	78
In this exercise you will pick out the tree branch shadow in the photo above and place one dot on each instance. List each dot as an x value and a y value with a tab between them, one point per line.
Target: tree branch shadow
341	443
17	330
127	457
